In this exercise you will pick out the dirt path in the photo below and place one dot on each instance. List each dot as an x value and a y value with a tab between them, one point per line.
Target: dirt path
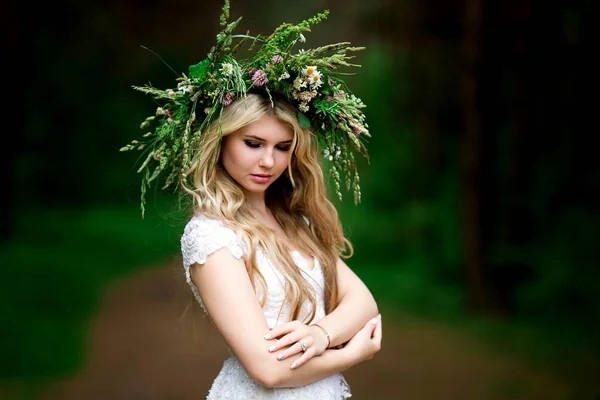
139	349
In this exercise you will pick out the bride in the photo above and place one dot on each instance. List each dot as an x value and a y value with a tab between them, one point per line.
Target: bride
262	256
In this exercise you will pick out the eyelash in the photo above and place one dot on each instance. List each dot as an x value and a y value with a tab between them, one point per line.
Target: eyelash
256	145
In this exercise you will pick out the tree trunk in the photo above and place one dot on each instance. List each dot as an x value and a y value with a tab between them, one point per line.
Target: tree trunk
471	158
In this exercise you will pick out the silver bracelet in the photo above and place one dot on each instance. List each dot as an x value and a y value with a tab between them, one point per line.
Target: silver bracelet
326	334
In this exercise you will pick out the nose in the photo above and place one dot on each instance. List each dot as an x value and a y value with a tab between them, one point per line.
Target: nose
267	160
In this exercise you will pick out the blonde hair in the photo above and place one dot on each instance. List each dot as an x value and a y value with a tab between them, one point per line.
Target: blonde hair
297	196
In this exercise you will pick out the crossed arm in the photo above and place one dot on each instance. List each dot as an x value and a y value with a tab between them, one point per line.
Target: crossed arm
230	300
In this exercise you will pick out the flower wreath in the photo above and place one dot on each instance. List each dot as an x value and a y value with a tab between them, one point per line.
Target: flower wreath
308	79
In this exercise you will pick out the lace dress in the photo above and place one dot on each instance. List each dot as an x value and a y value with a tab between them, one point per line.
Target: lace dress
202	237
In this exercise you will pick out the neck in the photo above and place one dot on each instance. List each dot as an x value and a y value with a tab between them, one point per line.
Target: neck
256	203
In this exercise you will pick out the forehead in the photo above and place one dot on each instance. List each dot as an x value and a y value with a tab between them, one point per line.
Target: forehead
269	129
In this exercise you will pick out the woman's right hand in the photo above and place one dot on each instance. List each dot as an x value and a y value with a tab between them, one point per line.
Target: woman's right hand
367	342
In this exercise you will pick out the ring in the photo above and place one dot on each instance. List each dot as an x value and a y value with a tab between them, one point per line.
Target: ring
303	346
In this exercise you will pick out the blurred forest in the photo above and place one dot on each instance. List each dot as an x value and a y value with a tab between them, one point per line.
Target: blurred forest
479	203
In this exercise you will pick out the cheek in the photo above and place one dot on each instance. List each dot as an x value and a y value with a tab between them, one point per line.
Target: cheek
229	157
233	155
283	161
244	157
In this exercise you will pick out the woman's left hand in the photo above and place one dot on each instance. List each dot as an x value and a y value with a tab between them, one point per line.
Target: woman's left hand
292	335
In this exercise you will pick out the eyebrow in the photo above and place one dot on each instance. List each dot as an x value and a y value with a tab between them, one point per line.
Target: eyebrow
263	140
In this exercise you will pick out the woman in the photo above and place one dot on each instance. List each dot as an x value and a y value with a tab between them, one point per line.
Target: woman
263	250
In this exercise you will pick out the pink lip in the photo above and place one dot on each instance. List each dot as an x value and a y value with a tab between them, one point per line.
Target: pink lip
260	178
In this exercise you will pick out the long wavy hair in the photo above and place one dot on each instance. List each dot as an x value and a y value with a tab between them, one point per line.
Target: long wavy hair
297	196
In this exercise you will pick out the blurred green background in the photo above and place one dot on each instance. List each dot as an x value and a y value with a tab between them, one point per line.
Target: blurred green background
479	203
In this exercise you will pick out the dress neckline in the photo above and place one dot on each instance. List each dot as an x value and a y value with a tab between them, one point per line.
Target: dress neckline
297	256
302	262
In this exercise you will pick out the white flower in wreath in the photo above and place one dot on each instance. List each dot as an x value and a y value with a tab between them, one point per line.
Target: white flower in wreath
227	69
315	80
182	86
299	83
283	76
309	71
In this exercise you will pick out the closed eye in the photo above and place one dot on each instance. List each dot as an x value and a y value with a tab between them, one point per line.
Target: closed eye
252	144
256	145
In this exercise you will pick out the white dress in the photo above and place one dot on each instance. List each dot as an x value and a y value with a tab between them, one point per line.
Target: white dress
202	237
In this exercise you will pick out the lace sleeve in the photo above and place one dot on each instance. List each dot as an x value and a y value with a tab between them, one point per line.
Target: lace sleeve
201	238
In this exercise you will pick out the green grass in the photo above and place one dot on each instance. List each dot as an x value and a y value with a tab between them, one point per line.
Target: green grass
55	267
559	346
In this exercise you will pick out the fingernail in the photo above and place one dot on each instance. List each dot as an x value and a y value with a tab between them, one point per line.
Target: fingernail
293	366
374	321
379	316
280	357
272	348
268	336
